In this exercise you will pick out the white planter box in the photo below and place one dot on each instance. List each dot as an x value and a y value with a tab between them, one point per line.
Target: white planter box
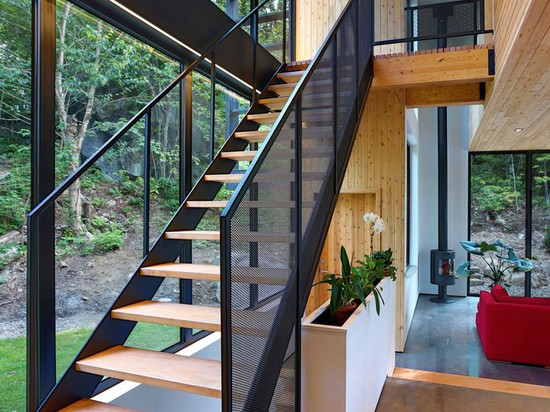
344	368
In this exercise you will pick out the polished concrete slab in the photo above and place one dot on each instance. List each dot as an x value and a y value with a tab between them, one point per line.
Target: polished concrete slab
405	395
443	338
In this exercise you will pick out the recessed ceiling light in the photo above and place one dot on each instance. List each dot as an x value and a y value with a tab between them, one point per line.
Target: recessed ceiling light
518	129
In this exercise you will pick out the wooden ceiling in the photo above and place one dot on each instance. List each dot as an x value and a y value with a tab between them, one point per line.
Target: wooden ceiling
517	116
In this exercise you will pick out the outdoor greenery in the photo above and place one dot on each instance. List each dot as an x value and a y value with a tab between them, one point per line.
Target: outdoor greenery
103	78
69	343
498	183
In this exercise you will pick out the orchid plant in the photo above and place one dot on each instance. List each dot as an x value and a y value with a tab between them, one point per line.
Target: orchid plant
376	225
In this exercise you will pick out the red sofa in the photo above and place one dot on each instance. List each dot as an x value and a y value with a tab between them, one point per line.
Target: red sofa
514	329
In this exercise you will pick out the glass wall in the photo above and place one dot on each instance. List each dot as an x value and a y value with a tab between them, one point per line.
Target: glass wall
540	228
502	186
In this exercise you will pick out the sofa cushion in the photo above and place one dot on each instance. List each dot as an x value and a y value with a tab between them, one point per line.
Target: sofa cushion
499	292
526	301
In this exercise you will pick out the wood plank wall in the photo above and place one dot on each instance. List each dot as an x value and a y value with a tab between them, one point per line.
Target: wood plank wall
315	18
389	24
508	23
517	115
374	181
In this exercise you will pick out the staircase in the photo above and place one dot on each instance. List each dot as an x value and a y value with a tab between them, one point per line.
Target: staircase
296	137
168	370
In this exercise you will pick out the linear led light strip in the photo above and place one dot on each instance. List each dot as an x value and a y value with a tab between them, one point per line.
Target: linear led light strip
137	16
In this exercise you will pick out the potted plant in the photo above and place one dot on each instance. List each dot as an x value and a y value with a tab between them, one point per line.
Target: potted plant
499	258
346	290
371	271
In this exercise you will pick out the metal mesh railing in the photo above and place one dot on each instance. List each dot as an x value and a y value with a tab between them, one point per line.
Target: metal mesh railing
274	226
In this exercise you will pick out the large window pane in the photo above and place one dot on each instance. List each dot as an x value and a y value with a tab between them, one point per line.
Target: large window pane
540	278
498	211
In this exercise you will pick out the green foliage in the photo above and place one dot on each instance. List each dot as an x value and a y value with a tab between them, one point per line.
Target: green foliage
14	183
345	287
498	183
12	251
499	257
109	240
372	270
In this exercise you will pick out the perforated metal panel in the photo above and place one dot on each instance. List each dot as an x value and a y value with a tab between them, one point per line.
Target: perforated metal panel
460	17
273	233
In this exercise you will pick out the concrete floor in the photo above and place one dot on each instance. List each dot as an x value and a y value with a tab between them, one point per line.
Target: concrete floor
443	338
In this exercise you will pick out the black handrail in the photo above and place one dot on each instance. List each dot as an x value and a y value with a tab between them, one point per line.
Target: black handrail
44	299
265	379
245	182
432	37
48	200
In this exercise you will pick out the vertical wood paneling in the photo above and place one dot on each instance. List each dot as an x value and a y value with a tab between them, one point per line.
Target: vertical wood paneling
374	181
316	18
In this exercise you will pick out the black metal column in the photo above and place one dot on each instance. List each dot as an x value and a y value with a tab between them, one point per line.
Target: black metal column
442	12
186	181
442	179
41	254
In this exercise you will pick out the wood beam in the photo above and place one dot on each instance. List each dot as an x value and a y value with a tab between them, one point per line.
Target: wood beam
448	95
451	67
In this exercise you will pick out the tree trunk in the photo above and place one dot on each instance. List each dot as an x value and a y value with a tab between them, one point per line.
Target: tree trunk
76	193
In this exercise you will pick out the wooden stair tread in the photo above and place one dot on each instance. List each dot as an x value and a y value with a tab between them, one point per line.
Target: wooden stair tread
297	65
183	271
92	406
292	76
166	370
206	204
239	156
171	314
263	118
224	178
252	135
193	234
274	103
282	90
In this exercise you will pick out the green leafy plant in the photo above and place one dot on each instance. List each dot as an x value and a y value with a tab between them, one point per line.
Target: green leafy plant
109	240
345	287
384	263
372	270
499	258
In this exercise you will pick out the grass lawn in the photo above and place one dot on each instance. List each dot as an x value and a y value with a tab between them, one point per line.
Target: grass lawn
13	357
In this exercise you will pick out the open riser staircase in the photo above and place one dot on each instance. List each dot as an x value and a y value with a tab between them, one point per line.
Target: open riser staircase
294	144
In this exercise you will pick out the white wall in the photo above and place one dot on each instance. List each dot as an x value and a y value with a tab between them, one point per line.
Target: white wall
457	126
411	272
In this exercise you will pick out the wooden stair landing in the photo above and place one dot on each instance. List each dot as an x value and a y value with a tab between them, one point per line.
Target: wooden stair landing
165	370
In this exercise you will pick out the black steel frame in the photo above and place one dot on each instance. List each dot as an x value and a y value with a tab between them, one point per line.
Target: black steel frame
410	39
528	204
41	377
295	295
